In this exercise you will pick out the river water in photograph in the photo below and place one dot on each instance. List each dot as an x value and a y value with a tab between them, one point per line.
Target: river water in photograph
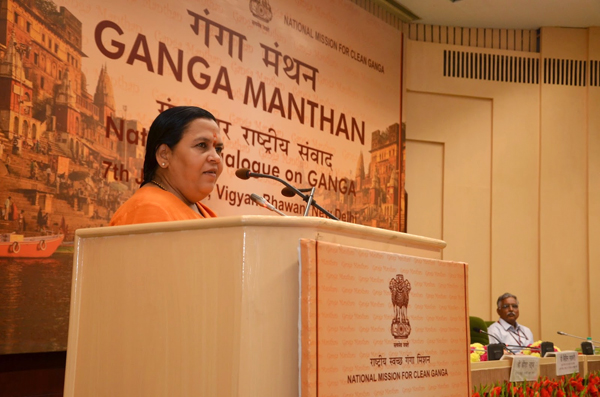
34	303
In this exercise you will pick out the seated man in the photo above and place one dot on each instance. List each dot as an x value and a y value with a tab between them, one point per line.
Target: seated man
507	330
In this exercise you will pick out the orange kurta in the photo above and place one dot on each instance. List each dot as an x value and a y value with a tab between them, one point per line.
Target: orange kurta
151	204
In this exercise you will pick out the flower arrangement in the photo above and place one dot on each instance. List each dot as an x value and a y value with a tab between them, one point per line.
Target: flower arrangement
574	386
479	351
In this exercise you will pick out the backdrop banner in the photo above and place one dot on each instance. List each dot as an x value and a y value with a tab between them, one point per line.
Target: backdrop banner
308	91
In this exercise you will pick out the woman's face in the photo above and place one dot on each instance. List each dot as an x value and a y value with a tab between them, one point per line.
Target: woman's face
194	164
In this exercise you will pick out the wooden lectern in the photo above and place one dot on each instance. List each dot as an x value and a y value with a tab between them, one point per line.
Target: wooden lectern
199	308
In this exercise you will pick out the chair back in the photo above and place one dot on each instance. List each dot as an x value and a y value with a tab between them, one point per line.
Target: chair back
477	337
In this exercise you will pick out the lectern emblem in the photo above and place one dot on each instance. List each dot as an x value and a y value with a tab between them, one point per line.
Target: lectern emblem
400	290
261	9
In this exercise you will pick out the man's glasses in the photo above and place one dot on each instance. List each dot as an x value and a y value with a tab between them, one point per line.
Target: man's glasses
514	306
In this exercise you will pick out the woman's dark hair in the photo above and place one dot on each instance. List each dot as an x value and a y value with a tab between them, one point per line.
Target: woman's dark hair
168	128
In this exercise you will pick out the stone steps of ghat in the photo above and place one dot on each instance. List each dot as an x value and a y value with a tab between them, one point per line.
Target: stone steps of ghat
20	165
22	189
17	187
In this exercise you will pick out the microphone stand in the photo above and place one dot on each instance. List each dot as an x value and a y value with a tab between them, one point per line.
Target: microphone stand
264	203
533	349
309	201
247	174
479	330
574	336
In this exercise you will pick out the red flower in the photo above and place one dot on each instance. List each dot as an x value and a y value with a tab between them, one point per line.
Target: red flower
515	391
576	385
592	390
545	393
496	392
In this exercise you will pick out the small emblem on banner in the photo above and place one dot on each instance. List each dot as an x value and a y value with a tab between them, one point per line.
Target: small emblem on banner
261	9
400	290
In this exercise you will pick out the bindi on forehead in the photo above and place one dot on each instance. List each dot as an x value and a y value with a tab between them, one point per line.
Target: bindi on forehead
217	139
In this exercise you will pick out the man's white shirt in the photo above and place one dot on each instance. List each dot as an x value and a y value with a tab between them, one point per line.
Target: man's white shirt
509	335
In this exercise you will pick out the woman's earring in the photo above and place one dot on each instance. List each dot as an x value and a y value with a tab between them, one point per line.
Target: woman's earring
163	164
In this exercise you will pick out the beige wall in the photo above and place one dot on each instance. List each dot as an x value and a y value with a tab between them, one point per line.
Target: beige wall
593	149
508	174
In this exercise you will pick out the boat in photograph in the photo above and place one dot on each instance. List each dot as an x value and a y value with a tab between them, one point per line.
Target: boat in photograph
18	246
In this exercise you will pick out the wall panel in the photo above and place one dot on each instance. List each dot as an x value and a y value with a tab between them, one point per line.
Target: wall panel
466	178
563	192
594	190
425	182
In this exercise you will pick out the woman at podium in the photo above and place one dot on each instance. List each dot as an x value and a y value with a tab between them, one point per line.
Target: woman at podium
181	167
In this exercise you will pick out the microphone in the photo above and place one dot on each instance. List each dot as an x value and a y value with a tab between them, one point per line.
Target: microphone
573	336
479	330
287	192
544	348
264	203
245	173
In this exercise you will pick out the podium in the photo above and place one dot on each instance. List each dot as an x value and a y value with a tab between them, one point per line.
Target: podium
199	308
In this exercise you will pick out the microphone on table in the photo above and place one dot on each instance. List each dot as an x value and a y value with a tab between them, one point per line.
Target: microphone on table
497	348
574	336
479	330
264	203
587	347
535	349
543	349
245	173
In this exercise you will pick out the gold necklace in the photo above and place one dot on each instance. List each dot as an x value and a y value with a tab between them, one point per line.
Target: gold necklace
158	184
